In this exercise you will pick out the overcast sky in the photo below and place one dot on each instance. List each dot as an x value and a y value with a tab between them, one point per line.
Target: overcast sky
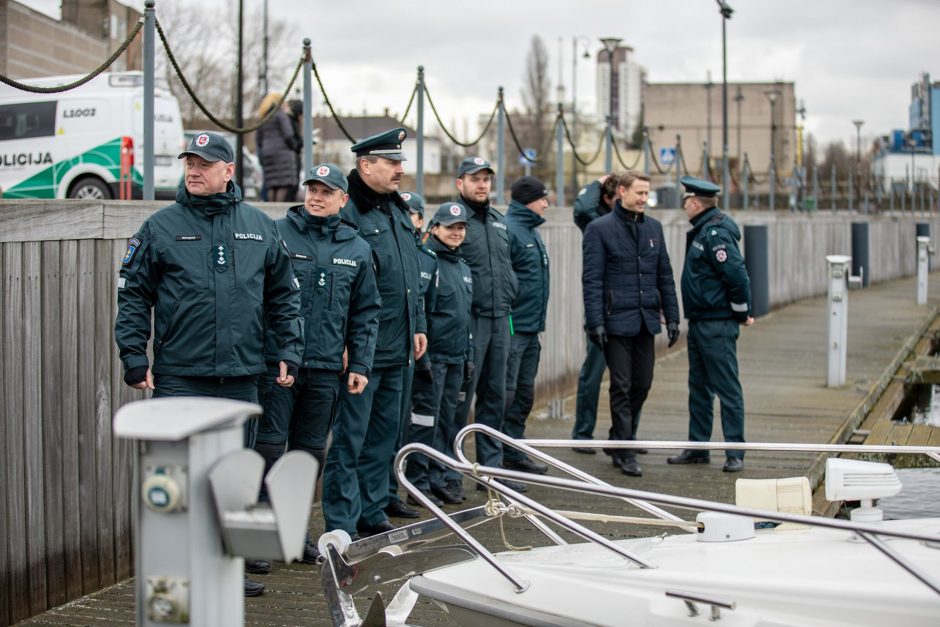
849	59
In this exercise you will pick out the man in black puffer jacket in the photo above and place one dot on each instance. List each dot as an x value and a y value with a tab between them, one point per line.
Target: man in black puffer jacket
628	284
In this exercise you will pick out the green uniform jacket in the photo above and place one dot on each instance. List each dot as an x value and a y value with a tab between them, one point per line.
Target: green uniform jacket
384	224
589	205
207	267
449	304
715	285
427	263
530	263
486	250
339	300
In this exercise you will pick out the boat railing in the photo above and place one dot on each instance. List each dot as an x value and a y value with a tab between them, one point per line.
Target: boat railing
517	503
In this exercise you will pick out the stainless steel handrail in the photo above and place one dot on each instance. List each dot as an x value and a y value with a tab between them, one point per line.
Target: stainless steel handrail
871	533
526	448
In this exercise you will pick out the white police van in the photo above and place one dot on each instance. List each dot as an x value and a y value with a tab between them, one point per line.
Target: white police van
70	144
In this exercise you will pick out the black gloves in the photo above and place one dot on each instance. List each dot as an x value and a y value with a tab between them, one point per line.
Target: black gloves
598	335
135	375
672	330
468	369
424	375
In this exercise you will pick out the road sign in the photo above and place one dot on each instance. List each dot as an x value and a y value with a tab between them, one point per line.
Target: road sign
667	156
530	153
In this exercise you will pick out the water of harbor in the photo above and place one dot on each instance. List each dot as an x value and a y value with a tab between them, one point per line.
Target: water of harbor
920	497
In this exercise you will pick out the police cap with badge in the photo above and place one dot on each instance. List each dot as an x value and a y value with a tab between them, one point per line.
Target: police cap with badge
386	144
472	165
699	188
450	213
328	174
414	201
211	147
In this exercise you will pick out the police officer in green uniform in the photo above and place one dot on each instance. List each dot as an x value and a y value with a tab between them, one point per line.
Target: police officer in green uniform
716	296
486	250
355	486
207	271
530	263
427	262
450	346
340	308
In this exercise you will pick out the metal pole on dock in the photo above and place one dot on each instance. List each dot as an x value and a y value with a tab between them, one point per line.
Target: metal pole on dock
560	159
308	108
746	183
608	148
816	188
148	98
678	166
500	150
773	184
923	267
419	174
838	318
832	187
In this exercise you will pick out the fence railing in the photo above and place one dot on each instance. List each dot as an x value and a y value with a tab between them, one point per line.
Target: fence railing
66	482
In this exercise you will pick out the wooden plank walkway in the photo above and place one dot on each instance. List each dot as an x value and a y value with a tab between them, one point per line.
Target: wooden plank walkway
783	368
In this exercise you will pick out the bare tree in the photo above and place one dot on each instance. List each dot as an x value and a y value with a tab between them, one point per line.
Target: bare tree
209	64
836	154
536	96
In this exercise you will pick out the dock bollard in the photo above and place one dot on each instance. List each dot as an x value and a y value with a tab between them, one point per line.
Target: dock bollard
195	508
923	267
838	318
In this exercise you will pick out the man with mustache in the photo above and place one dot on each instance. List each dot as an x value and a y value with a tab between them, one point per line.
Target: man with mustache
355	487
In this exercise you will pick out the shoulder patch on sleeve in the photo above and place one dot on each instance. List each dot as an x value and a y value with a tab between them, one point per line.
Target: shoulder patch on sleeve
133	245
721	255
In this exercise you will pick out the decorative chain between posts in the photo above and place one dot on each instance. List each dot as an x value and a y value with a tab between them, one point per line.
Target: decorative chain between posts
98	70
656	163
329	105
620	159
450	135
515	140
408	106
202	107
680	157
574	150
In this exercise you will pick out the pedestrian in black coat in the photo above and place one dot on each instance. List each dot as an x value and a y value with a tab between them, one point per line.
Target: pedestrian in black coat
278	146
628	285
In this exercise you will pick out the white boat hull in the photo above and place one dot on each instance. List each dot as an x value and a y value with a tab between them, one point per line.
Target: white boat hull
813	576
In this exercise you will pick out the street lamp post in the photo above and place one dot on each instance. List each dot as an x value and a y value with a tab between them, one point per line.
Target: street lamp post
858	154
726	12
772	97
739	98
610	45
574	102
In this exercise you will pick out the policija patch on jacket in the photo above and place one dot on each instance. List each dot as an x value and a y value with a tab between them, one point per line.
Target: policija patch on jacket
132	246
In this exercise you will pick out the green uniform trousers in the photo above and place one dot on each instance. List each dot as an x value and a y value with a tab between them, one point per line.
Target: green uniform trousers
713	370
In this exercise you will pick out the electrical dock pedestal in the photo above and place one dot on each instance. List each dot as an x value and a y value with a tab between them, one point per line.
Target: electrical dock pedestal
196	514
